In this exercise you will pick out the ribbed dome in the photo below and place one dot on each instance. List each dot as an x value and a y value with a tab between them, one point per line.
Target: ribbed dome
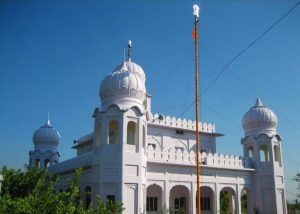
258	118
126	82
46	135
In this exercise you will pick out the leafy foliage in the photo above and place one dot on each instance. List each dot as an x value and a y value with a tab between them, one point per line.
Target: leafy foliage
32	191
244	203
224	202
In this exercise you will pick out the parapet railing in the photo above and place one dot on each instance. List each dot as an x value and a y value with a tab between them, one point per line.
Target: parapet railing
189	158
182	123
83	161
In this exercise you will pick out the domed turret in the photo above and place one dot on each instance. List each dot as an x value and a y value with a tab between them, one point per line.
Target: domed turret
45	140
46	136
259	118
124	87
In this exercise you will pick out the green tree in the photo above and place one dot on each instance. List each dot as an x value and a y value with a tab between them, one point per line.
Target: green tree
33	191
244	203
224	202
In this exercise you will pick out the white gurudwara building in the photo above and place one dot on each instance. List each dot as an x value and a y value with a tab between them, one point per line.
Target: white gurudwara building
147	161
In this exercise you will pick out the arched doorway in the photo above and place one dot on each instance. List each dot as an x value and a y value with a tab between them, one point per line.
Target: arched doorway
206	200
227	201
179	199
154	199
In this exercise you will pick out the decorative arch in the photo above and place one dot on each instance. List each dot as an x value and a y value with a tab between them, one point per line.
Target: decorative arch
227	200
264	153
250	152
137	110
277	154
37	162
46	163
98	133
154	198
179	198
113	132
132	133
185	146
245	200
206	200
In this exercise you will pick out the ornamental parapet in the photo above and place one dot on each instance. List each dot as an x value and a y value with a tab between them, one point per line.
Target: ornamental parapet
181	123
184	157
72	164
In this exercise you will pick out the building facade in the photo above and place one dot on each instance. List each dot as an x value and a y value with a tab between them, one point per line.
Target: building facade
147	161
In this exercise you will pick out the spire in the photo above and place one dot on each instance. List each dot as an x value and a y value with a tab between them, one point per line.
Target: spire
48	123
258	103
129	50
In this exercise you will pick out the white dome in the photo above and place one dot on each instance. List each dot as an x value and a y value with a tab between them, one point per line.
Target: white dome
259	118
46	135
125	83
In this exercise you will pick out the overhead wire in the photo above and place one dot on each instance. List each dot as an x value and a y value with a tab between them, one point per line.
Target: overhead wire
173	71
292	161
226	66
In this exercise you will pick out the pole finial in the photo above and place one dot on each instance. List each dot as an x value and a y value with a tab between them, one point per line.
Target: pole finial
129	49
196	10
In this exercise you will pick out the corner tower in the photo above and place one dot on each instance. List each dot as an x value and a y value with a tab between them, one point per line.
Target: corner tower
262	149
45	140
119	164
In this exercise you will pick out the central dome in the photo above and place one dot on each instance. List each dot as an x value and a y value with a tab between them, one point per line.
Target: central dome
259	118
46	136
124	87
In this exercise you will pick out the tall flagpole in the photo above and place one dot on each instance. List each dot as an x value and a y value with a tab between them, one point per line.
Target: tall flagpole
195	34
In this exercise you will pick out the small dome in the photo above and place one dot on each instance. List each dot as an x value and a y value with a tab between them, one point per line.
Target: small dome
46	135
125	84
259	118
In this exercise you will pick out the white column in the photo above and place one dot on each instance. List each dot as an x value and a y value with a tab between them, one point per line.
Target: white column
238	201
166	194
217	199
194	193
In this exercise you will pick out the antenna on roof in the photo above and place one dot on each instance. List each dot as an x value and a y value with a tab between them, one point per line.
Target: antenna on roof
129	49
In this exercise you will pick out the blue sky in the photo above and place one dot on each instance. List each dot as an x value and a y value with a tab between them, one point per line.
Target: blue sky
54	54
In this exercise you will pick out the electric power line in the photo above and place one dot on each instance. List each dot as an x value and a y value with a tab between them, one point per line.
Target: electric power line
226	66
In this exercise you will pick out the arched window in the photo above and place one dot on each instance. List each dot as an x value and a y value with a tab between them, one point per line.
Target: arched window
277	154
88	196
37	162
46	163
113	132
264	153
132	133
251	152
98	134
245	201
144	136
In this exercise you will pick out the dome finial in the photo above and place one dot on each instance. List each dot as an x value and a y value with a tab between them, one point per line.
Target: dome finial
129	50
258	103
48	120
